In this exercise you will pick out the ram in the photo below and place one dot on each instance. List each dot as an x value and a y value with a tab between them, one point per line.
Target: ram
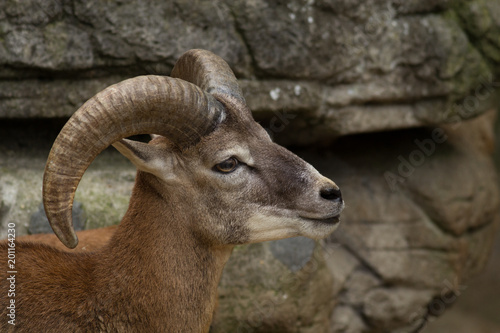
210	179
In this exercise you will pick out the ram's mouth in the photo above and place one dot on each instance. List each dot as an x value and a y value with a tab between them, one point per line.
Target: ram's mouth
326	220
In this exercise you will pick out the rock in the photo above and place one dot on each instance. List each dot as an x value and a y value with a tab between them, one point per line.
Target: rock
39	223
345	320
333	66
259	293
462	195
480	19
294	253
24	147
341	263
395	305
359	283
8	196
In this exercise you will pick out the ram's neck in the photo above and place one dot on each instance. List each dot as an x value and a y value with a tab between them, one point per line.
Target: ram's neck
159	269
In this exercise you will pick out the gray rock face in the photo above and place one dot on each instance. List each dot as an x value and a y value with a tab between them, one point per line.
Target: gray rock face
294	253
421	201
340	67
39	224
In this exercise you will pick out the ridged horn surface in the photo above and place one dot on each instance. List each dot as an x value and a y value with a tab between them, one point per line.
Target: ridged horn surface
161	105
209	72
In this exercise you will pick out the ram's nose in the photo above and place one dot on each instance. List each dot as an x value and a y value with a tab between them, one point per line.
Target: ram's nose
331	193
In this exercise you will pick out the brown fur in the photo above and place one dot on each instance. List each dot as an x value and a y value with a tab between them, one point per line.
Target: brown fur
89	240
93	289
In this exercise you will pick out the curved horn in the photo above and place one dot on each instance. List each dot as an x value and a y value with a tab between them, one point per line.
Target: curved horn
209	72
170	107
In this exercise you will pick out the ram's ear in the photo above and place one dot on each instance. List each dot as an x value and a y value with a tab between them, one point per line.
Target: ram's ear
154	159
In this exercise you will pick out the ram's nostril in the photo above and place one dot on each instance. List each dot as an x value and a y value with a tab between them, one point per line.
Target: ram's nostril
331	193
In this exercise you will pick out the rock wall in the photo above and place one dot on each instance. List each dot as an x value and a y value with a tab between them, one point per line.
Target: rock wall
341	67
373	93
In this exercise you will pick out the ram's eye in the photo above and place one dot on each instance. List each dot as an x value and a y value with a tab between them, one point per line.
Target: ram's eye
227	166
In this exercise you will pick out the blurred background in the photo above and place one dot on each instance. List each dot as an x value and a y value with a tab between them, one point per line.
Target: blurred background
394	100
